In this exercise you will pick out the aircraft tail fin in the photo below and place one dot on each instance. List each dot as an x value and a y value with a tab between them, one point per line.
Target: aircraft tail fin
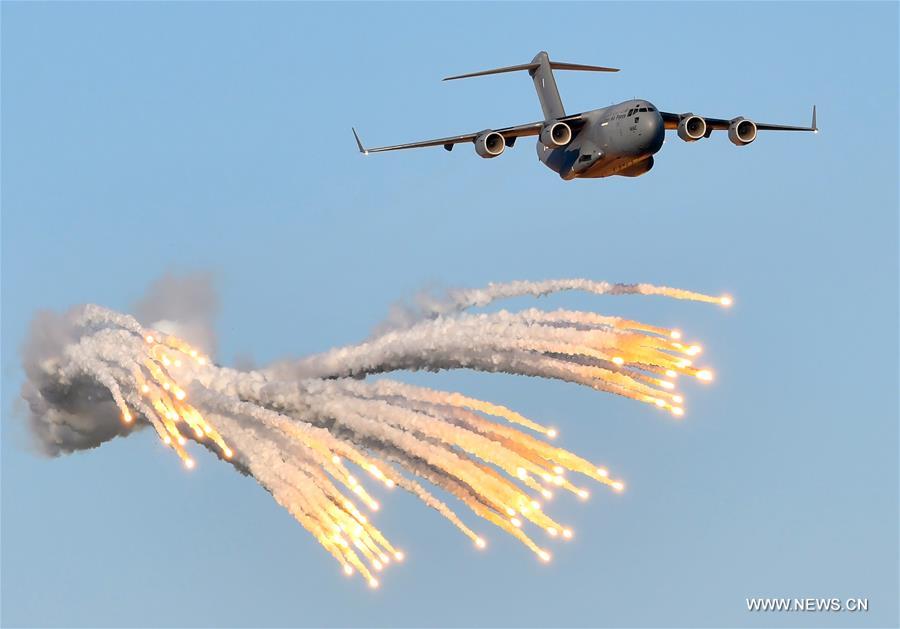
541	71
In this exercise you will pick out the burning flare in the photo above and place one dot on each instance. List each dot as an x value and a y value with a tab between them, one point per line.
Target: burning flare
315	434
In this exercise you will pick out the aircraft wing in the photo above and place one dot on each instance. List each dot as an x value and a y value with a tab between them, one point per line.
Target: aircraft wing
509	134
718	124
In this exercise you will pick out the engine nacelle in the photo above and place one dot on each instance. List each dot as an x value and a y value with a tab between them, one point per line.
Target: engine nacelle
489	144
556	135
691	128
741	131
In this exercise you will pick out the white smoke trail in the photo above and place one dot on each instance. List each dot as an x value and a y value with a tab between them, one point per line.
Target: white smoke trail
429	305
308	431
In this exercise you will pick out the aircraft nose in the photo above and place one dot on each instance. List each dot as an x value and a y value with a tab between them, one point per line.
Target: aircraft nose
655	131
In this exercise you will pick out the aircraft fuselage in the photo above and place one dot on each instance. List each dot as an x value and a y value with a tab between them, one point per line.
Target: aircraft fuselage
616	140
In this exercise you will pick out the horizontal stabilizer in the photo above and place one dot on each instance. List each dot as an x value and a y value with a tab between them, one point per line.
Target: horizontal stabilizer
555	65
559	65
524	66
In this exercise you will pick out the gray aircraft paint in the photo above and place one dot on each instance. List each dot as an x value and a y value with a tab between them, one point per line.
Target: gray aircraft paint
617	140
545	85
610	143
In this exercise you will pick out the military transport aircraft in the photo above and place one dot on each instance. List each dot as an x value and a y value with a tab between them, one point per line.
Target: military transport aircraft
616	140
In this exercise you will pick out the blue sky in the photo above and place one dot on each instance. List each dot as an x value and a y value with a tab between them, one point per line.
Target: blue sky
145	138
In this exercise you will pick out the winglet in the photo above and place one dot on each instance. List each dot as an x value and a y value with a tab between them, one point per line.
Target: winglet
814	127
359	143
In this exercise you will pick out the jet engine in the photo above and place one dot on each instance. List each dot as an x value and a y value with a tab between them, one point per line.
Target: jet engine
691	128
489	144
556	135
741	131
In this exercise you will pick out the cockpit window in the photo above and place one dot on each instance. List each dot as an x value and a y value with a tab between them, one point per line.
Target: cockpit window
630	111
